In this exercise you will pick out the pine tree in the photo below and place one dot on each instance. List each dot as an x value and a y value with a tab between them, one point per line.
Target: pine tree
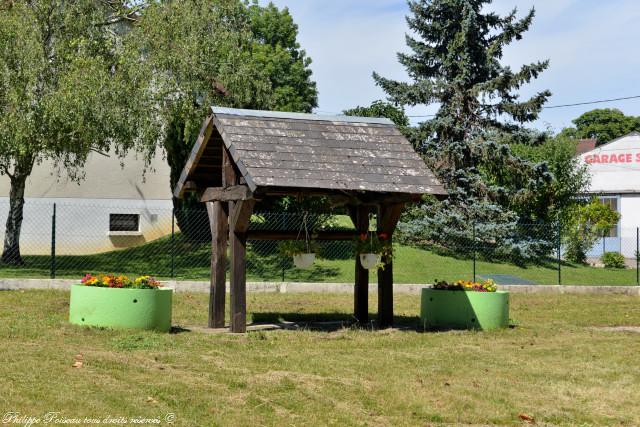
455	61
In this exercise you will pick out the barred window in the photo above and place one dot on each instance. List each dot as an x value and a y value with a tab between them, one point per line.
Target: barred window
124	222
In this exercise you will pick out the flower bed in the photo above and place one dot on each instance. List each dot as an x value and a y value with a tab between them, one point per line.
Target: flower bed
464	305
467	285
120	302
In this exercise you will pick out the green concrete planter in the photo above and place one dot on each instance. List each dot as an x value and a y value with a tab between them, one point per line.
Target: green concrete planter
443	309
121	308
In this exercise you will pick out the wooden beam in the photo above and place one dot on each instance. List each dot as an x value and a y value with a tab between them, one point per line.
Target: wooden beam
218	220
293	235
194	157
229	177
239	218
361	290
388	217
190	186
226	194
342	198
240	215
238	243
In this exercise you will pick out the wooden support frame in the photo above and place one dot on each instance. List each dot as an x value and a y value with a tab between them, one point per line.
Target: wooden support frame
388	217
226	194
360	218
293	235
218	220
231	173
239	216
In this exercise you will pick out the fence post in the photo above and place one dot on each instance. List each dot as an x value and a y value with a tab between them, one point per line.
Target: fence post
474	251
604	243
284	267
638	256
559	250
173	244
53	243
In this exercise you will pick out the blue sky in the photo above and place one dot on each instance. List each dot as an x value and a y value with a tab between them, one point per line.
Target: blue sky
593	46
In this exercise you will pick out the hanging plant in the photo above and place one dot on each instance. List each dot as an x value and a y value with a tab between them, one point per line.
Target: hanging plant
302	251
372	248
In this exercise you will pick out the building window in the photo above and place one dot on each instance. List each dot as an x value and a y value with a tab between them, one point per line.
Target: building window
124	222
612	202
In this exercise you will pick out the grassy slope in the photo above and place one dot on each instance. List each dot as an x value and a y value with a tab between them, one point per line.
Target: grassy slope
552	366
411	265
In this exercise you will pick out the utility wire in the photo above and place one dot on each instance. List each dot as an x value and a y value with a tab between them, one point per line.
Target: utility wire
593	102
600	101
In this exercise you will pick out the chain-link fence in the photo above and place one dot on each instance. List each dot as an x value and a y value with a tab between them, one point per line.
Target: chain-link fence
67	239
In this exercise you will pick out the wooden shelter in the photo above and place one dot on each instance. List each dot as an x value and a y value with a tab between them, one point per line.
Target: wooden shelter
244	156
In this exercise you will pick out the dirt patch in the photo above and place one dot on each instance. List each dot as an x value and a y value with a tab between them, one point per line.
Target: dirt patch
635	329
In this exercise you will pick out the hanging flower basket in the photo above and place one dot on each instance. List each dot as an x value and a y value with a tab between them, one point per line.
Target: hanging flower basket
370	261
302	252
371	248
304	260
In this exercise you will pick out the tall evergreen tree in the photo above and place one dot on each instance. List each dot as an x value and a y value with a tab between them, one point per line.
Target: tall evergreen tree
455	62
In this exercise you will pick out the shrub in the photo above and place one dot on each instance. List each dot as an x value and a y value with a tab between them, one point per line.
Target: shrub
613	260
588	224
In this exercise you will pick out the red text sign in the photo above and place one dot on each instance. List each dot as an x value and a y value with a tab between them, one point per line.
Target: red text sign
613	158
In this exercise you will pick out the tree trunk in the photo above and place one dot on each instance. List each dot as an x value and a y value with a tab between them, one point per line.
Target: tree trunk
11	252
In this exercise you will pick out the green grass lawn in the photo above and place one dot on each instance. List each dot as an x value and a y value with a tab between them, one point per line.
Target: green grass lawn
411	265
553	366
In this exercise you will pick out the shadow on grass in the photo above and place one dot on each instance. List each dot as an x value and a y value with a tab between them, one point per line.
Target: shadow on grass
331	321
164	258
178	330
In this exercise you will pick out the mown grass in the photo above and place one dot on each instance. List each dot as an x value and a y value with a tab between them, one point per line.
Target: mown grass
553	366
411	265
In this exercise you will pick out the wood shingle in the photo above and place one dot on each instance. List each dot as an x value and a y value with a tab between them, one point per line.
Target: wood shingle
273	149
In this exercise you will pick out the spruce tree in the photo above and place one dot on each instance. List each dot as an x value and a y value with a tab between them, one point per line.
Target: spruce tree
455	62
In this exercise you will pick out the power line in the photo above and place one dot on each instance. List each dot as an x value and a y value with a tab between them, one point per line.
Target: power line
593	102
600	101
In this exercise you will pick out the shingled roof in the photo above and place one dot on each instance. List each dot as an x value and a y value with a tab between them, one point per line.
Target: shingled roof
274	149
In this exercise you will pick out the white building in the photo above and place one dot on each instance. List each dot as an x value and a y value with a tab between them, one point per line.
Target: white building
113	207
615	178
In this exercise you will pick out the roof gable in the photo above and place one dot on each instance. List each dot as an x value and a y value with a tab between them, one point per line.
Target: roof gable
629	141
275	149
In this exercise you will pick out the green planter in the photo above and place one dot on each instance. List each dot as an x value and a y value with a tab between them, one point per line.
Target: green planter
121	308
441	309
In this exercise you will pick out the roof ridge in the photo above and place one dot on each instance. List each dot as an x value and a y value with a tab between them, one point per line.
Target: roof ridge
300	116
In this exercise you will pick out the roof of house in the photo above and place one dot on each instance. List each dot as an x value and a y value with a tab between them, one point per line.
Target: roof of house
585	145
293	150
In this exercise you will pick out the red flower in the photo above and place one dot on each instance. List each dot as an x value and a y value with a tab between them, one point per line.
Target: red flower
384	236
363	236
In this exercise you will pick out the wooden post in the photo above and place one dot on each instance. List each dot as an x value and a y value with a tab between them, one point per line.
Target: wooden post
239	218
388	217
218	221
361	289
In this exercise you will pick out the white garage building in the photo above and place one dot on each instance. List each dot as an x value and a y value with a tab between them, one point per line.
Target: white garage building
114	207
615	179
